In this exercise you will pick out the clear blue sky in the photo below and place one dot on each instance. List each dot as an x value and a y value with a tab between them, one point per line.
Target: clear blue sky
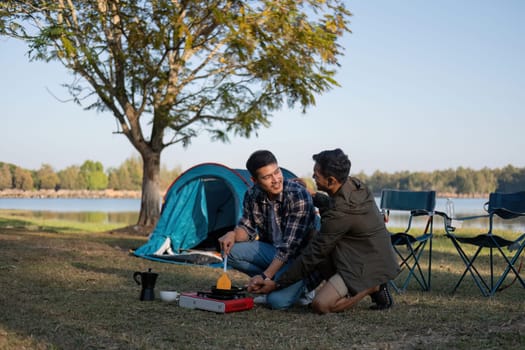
425	85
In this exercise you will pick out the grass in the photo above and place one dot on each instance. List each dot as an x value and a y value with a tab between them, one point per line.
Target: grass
69	287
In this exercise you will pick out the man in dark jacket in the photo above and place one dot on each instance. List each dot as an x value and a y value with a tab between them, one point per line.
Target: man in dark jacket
353	249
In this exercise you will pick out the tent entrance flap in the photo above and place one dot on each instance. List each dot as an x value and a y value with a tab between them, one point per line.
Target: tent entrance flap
221	212
211	203
220	204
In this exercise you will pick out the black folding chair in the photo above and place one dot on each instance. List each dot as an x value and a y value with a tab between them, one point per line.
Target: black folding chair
410	243
507	206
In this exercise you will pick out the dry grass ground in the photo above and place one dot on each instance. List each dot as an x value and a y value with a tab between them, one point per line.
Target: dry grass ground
70	290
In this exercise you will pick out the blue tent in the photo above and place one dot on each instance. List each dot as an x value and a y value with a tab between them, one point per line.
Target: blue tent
201	205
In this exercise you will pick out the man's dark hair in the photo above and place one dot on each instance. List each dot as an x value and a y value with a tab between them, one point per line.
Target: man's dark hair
333	163
258	159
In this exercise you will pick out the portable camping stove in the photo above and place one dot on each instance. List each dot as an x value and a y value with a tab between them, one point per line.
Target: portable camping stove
217	300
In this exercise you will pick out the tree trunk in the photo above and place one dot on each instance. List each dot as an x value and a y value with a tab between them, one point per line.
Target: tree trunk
150	204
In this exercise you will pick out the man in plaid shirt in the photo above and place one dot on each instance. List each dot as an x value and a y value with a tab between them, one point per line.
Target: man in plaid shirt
278	218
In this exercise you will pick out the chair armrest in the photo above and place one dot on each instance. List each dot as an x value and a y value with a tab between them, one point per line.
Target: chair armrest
420	212
462	218
452	223
507	213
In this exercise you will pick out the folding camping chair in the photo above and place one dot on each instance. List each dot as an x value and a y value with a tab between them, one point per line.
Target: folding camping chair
506	206
410	243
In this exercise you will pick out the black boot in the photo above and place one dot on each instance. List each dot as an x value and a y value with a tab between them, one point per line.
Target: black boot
382	298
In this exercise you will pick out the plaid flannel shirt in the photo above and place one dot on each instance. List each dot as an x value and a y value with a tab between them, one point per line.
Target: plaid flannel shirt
294	213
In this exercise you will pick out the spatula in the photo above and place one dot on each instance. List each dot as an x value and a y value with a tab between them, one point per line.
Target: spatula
224	281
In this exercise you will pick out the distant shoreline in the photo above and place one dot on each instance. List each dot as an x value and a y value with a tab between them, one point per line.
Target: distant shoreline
136	194
69	194
455	195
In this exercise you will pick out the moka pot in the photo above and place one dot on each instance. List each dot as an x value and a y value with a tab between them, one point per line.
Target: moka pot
147	281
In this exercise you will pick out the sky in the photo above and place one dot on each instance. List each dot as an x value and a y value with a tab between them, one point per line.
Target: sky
425	85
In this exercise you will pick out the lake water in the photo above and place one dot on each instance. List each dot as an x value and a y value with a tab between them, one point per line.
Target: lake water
465	206
102	210
116	205
126	211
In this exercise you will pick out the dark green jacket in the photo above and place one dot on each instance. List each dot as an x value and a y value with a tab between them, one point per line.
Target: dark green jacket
353	241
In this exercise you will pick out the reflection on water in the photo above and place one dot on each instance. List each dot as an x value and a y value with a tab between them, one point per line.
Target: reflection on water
86	210
96	217
72	204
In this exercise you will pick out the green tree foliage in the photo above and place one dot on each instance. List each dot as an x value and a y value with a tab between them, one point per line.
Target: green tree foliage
70	178
511	179
46	178
380	180
22	179
444	180
185	68
6	178
134	167
168	176
119	179
462	181
128	176
94	176
97	181
485	181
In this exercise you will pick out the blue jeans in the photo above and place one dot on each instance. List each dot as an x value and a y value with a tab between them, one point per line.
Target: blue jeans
253	258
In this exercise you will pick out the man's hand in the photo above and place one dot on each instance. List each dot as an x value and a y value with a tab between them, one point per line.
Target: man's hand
258	285
227	241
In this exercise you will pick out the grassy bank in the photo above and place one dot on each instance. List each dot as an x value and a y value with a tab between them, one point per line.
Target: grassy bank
69	287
